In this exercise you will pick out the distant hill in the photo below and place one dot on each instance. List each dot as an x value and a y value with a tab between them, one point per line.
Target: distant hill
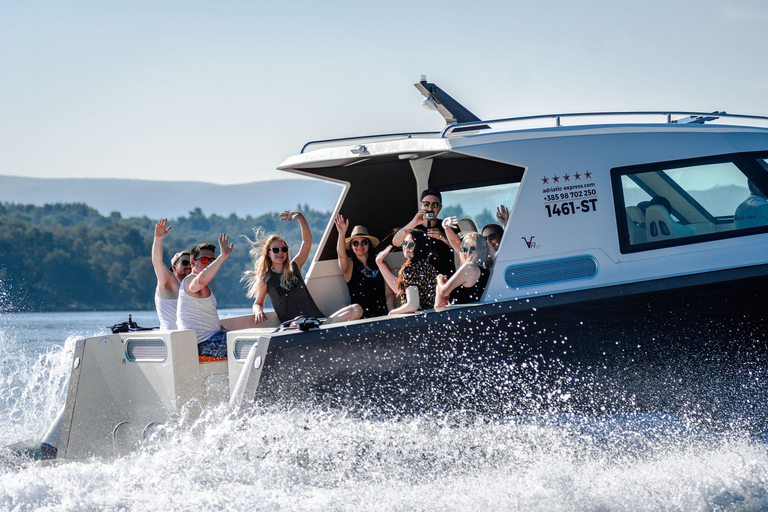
157	199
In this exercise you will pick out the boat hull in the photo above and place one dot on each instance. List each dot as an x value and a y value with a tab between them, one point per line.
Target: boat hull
692	344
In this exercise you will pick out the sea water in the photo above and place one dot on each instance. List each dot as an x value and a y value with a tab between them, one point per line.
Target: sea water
302	458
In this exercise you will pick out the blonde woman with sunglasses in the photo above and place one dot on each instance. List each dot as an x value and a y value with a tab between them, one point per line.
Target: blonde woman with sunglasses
278	276
468	283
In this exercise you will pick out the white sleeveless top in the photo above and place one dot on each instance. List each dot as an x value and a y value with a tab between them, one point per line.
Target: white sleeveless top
166	312
198	314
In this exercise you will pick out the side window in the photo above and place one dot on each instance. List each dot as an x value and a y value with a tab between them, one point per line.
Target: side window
669	205
478	204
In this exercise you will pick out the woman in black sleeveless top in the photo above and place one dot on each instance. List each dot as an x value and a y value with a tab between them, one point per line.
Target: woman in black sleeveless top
364	280
467	284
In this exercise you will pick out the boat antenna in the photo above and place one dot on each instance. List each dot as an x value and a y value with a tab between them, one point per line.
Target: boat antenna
451	110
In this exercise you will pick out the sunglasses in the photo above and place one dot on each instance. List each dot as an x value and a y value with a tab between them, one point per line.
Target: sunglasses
205	260
409	245
491	237
183	263
362	242
277	250
427	204
467	249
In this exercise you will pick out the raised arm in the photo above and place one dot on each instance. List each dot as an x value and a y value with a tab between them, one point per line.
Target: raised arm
165	279
400	235
386	272
202	279
448	224
306	236
345	264
502	215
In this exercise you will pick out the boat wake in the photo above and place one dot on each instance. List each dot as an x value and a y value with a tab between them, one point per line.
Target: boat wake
33	387
301	457
308	459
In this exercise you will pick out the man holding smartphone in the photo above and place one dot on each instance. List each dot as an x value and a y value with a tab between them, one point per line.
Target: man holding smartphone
426	219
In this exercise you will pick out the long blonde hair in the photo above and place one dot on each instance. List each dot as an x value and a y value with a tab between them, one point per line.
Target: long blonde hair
257	278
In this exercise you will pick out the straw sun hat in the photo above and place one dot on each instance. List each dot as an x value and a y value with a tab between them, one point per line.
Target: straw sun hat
361	232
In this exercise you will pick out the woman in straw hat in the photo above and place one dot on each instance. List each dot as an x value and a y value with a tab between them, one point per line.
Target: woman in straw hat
367	288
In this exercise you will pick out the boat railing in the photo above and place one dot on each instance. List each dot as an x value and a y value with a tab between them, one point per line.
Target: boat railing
385	136
558	120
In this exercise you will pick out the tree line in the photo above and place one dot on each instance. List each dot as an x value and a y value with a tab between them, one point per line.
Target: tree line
69	257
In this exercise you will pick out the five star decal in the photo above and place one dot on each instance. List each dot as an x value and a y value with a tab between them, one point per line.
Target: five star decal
566	177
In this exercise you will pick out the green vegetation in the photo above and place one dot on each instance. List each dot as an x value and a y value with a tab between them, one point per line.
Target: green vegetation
69	257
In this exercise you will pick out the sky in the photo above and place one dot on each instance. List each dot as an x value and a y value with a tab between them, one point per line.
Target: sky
224	91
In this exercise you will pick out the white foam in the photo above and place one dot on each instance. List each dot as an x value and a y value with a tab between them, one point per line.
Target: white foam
32	388
311	460
318	460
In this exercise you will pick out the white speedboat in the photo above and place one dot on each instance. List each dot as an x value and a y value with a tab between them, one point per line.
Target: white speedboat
631	274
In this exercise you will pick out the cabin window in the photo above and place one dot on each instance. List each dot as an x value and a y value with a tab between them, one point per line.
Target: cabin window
677	203
478	204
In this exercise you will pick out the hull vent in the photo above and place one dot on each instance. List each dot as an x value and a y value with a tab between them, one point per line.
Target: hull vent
141	350
243	347
552	271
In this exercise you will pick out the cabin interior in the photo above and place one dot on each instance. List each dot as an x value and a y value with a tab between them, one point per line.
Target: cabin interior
385	205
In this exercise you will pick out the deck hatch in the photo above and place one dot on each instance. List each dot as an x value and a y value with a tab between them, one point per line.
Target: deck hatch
146	350
243	347
552	271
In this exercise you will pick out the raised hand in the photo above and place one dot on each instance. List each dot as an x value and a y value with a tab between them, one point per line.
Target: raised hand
383	254
289	215
162	228
450	222
225	246
502	215
341	225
